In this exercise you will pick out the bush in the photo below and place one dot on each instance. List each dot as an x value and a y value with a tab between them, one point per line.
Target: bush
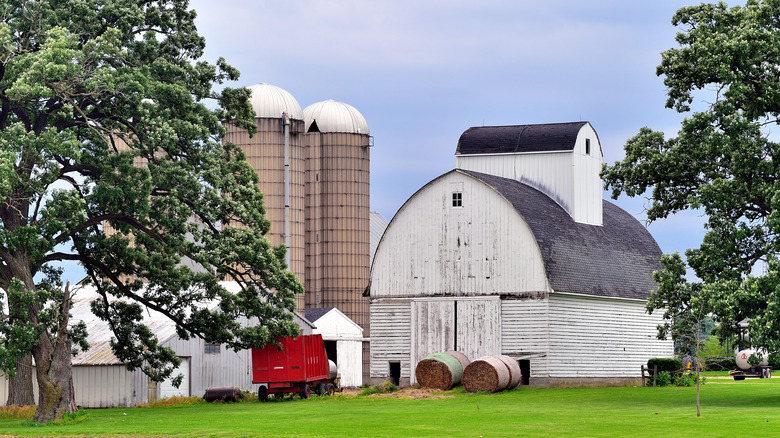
726	363
664	364
664	378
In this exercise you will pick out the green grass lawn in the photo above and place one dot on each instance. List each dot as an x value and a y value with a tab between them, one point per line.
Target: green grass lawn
752	407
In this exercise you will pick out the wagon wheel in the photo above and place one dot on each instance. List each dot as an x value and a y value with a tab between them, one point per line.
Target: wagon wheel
320	389
305	391
262	393
331	389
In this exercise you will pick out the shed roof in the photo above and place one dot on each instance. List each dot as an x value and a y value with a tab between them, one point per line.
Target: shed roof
519	138
316	313
616	259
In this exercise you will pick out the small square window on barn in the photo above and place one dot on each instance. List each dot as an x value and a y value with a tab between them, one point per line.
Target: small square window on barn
587	146
211	348
457	199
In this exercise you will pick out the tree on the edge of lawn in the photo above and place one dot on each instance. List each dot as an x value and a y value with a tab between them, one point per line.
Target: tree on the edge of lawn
103	121
724	161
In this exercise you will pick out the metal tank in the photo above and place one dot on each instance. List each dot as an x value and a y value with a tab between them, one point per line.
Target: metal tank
337	209
276	152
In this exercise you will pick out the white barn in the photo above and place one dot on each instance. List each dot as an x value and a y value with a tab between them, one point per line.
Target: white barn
514	252
100	380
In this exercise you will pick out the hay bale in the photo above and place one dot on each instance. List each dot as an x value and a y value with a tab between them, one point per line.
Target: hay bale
488	373
462	358
438	371
515	375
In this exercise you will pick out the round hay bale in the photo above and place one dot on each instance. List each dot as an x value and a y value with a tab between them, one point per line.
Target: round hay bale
462	358
515	375
488	373
438	371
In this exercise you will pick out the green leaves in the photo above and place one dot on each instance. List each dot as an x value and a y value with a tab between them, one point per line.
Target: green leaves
112	156
725	160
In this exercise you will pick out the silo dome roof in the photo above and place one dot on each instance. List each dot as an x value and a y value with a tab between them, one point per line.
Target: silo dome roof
334	116
270	101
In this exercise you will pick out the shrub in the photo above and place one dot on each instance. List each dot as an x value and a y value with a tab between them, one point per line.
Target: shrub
664	378
664	364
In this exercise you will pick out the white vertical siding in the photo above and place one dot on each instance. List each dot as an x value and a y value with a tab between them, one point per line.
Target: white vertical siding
587	189
599	337
433	249
525	333
349	356
433	328
478	327
103	386
571	178
549	172
390	337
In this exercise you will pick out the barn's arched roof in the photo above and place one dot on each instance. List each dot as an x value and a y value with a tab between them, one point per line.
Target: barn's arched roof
519	138
613	260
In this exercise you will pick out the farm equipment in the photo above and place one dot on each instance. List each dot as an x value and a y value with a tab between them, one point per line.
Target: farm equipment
300	366
761	370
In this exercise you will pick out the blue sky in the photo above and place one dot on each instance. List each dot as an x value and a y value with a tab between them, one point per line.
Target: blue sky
422	72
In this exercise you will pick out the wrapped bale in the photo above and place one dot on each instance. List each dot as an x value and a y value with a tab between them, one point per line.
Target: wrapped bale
488	373
515	375
462	358
438	371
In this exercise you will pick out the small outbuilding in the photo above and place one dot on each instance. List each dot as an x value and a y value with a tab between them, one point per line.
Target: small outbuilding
514	252
343	342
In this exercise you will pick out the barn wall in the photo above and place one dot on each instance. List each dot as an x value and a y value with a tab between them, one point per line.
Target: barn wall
525	334
571	178
103	386
598	338
587	190
434	249
390	339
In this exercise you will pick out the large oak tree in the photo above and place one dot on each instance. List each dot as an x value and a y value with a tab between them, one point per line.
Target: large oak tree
724	161
106	125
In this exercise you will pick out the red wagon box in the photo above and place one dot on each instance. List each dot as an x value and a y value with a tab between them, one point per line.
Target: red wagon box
301	363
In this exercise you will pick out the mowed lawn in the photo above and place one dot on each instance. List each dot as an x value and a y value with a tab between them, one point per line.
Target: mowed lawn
749	408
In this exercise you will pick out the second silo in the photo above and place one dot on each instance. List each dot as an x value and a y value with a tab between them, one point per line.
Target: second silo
337	209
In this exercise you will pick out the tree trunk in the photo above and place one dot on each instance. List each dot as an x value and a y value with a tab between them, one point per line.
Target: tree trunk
20	387
54	370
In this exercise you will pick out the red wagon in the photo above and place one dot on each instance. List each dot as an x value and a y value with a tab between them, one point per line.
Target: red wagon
299	366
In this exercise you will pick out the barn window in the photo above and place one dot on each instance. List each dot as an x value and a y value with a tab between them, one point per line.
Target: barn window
209	348
457	199
587	146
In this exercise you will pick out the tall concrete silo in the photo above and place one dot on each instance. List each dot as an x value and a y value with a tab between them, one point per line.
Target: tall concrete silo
277	154
337	209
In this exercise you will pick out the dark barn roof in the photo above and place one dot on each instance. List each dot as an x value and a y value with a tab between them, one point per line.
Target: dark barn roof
519	138
613	260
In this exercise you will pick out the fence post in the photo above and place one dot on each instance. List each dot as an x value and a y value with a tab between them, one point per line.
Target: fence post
655	374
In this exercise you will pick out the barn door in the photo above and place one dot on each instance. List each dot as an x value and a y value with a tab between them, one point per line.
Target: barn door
433	329
166	387
478	327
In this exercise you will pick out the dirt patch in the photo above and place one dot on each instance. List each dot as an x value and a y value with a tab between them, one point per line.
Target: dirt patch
414	393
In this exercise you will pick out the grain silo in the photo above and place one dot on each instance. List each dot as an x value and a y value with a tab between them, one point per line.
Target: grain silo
337	209
277	154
